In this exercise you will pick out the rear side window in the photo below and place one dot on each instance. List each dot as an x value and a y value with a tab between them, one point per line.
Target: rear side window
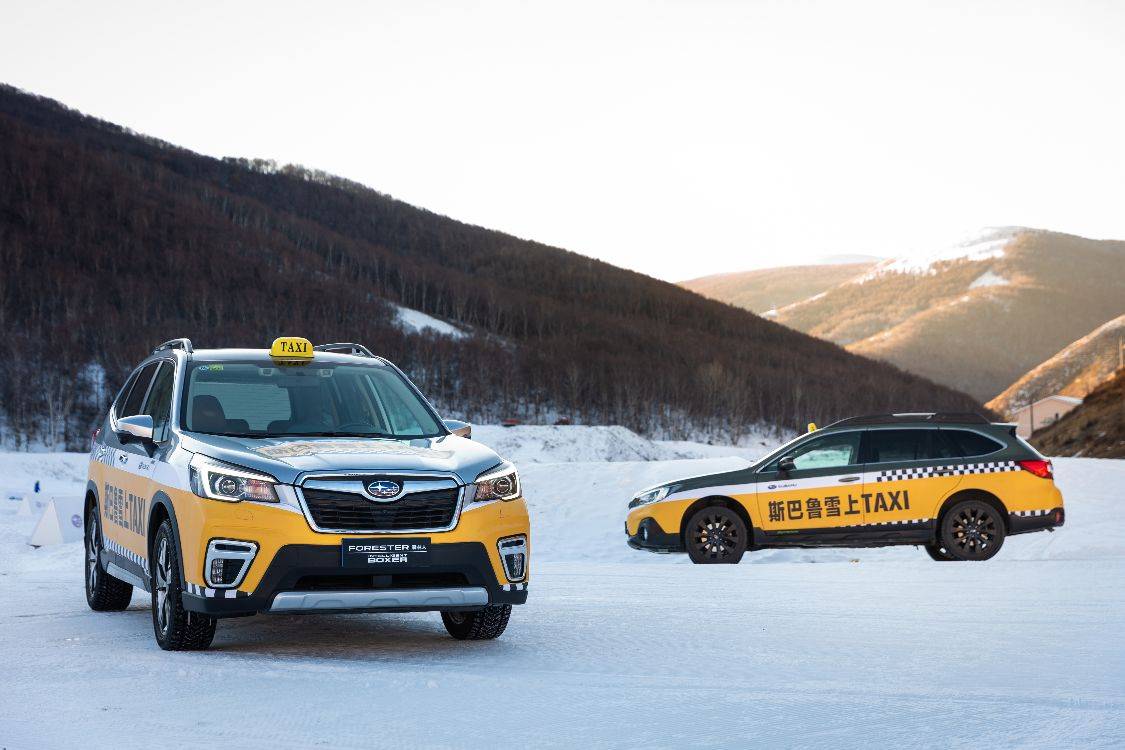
887	446
132	404
969	444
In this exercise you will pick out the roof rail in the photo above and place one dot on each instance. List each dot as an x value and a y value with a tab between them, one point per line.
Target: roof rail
184	344
358	350
938	417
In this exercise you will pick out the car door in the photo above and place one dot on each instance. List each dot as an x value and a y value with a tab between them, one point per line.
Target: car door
125	490
823	490
909	473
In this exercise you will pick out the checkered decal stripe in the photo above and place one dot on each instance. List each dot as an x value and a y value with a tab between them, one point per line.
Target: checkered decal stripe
923	472
1030	512
211	593
514	587
900	523
127	553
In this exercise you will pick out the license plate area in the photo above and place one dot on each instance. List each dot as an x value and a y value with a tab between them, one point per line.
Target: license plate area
385	554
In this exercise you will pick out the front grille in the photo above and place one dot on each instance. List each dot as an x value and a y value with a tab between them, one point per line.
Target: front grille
416	511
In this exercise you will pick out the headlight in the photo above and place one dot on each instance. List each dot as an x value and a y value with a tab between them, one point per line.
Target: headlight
654	495
501	483
221	481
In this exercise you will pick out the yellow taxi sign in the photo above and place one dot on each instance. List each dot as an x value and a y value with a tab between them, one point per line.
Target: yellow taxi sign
812	426
291	347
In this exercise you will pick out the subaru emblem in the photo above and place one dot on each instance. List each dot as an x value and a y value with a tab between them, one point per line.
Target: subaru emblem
384	489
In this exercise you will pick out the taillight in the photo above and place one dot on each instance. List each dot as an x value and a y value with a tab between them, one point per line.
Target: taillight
1038	467
94	436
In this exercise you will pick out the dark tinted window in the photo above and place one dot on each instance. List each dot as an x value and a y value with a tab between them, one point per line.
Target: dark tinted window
885	446
131	406
971	443
159	403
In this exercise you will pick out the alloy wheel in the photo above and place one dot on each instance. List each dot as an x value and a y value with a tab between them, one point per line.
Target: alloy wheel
716	536
974	532
163	576
92	554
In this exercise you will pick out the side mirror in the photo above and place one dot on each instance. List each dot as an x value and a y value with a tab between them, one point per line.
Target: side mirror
786	465
139	426
457	427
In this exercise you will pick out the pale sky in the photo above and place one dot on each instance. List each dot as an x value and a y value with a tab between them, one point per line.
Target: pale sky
675	138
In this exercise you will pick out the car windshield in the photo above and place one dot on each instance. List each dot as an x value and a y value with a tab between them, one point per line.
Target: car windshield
264	399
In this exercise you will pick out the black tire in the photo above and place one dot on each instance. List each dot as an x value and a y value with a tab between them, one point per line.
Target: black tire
176	629
716	535
104	593
482	625
938	552
972	530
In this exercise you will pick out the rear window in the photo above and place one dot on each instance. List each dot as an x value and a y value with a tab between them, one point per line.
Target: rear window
969	444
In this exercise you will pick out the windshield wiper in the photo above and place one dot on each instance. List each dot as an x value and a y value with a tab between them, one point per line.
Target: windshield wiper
335	434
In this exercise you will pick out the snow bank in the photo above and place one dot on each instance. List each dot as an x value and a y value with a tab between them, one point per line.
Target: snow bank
578	482
988	244
988	278
526	444
414	321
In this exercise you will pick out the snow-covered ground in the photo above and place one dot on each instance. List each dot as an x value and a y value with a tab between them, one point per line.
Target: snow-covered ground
616	648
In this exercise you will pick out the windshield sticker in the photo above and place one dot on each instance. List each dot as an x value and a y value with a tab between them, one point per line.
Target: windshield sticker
212	368
318	447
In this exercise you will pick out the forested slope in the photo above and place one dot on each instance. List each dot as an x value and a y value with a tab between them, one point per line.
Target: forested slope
111	242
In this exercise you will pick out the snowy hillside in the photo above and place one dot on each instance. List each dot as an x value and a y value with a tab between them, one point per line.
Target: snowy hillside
615	648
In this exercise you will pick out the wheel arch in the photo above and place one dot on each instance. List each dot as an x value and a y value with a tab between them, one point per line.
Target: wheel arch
723	501
161	508
972	493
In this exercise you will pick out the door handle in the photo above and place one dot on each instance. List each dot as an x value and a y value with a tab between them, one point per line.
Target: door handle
850	479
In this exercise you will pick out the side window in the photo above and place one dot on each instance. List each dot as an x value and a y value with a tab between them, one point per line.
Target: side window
971	444
159	403
826	452
889	446
134	401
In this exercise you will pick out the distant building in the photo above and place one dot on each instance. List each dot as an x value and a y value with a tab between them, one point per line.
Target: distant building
1042	413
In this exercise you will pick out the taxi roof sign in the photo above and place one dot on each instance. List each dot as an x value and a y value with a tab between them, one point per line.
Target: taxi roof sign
291	347
812	426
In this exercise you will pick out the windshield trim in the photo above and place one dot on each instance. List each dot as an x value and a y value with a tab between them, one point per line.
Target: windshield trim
182	394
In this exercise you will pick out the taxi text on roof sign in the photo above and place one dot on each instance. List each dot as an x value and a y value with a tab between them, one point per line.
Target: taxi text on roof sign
291	347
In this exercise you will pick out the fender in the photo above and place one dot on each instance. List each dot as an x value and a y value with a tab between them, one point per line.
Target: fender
160	499
92	489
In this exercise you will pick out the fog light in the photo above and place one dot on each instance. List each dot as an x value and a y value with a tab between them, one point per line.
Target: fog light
227	562
513	553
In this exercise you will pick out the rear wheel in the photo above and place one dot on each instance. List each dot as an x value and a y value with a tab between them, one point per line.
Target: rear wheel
937	552
482	625
716	535
176	628
104	593
972	530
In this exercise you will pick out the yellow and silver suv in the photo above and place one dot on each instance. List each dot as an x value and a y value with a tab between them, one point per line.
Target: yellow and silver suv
229	482
954	483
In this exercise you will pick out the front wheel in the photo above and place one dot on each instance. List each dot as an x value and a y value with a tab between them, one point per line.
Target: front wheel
716	535
972	530
482	625
176	628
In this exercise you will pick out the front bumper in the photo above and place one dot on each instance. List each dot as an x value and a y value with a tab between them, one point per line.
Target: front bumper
651	537
309	578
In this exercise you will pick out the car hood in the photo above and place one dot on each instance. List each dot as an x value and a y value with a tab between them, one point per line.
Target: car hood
288	458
